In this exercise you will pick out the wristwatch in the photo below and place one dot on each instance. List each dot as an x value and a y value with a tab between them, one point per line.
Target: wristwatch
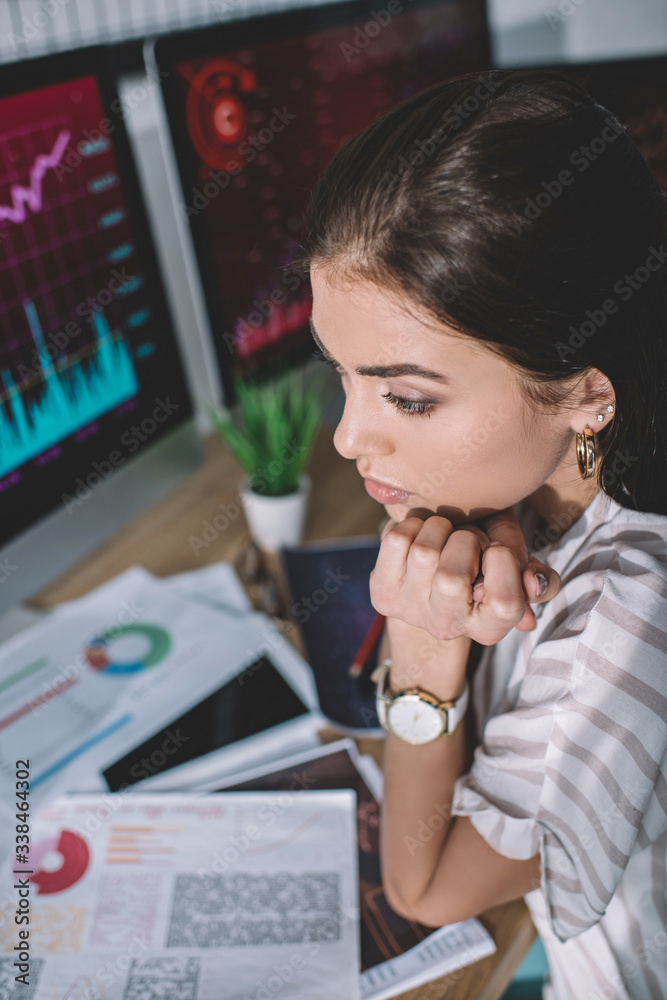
414	715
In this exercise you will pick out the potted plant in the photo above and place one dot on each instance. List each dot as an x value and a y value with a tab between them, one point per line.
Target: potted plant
272	435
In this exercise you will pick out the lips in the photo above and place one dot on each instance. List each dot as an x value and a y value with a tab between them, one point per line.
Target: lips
385	493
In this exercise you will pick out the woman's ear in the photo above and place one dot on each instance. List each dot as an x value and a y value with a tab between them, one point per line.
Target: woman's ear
596	399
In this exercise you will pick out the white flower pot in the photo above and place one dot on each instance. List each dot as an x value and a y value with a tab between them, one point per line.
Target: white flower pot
276	521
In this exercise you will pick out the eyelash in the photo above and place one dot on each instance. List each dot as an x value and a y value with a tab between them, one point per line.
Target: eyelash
410	407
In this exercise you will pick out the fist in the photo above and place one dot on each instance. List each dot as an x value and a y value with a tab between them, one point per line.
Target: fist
474	580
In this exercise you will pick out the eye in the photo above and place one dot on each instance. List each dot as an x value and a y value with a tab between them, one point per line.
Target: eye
409	406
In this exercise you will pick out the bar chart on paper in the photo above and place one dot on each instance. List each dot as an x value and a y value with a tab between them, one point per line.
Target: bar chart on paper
71	286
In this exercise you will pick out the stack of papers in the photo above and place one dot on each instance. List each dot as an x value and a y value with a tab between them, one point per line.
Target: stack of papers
182	898
396	954
212	876
93	693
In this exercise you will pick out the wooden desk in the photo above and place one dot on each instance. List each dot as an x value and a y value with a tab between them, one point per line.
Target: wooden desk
161	540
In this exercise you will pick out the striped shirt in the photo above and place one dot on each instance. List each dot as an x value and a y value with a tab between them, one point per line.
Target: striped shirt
571	757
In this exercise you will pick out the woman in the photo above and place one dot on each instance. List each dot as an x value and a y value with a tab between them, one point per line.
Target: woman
488	277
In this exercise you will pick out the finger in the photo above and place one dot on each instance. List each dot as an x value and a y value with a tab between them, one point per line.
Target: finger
478	582
534	575
391	563
504	527
388	524
476	530
425	553
458	567
528	622
504	602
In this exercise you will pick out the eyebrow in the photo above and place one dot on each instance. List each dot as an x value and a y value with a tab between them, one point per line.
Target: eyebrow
385	371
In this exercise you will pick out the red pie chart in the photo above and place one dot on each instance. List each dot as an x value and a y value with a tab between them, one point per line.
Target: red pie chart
75	857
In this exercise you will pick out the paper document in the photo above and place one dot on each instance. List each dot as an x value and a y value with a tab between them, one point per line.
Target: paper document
236	896
89	694
396	954
217	585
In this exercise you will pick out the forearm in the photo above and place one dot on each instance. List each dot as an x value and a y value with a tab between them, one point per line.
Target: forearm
419	780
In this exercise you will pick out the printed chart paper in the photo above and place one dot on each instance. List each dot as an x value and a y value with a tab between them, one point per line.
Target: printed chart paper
396	954
241	896
102	674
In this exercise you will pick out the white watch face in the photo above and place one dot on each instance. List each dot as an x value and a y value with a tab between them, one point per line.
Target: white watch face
414	720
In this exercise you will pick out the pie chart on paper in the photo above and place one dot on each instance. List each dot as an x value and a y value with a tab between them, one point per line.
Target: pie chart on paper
59	862
125	649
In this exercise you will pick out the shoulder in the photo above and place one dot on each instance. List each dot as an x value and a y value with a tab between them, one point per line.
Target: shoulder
613	568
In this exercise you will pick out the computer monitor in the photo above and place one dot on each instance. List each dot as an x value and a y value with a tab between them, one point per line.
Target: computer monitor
635	91
95	416
255	110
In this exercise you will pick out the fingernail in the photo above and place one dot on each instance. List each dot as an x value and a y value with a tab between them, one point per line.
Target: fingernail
542	583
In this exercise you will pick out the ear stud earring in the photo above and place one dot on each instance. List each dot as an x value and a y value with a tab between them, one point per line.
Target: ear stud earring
585	447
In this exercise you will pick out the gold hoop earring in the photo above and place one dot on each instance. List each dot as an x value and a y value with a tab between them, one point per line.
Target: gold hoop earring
586	453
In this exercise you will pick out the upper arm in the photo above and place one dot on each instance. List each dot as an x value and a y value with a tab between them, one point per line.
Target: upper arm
470	878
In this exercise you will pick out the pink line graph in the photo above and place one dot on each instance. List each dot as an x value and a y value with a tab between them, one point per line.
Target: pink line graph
39	700
32	195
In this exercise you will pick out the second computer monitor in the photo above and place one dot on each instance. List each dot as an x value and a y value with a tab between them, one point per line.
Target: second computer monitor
256	110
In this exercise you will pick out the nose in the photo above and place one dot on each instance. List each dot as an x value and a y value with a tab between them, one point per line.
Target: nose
360	431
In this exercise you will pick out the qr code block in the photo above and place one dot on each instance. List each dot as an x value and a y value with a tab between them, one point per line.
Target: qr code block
9	988
163	979
228	911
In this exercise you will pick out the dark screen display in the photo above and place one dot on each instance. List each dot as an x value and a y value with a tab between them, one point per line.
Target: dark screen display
635	90
254	124
89	372
253	701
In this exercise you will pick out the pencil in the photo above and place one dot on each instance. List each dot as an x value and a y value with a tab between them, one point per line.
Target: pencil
364	650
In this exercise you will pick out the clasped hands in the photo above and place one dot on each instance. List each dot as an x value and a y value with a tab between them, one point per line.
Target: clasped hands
428	575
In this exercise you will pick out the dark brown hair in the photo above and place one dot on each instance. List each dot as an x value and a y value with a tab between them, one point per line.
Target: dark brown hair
459	200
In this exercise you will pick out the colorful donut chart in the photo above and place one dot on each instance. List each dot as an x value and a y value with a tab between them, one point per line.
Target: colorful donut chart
98	651
75	854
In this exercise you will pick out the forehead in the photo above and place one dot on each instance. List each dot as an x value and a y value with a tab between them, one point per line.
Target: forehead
353	316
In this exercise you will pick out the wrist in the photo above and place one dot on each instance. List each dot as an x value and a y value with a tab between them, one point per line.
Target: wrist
416	716
442	674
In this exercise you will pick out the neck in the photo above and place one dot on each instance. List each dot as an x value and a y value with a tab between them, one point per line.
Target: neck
562	499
